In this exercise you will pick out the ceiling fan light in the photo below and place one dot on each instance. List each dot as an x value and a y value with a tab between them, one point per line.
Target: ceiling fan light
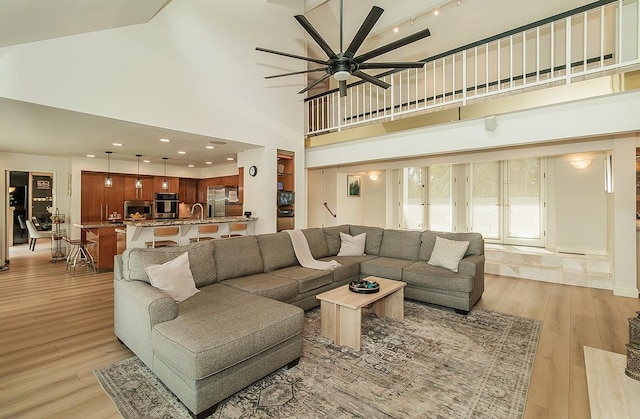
341	75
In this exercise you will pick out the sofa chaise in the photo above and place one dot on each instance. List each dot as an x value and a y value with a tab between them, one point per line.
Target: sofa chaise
246	318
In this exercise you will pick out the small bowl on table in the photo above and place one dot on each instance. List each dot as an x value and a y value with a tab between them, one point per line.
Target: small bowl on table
364	287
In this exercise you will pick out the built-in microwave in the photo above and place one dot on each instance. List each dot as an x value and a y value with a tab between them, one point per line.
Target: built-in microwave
132	208
165	205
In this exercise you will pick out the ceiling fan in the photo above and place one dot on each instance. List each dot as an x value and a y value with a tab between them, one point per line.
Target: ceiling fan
345	64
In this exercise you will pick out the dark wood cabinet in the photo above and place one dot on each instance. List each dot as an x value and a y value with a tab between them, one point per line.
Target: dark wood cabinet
98	201
285	182
188	190
131	193
174	185
203	184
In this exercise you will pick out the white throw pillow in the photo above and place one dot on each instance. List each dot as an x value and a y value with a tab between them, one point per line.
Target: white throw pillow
173	277
352	245
448	253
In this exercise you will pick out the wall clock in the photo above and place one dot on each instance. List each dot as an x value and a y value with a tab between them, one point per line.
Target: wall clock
253	171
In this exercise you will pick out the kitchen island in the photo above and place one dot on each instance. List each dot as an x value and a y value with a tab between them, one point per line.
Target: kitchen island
104	239
101	240
141	231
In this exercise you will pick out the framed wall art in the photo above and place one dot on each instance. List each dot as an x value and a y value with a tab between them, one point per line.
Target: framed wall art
353	185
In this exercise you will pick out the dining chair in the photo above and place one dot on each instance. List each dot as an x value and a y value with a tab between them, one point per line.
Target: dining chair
206	232
236	230
23	225
34	234
164	234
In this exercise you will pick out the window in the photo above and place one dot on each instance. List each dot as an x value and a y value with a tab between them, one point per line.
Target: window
486	200
505	199
412	199
439	199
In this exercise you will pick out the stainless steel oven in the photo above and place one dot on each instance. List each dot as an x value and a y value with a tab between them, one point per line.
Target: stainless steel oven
165	205
132	208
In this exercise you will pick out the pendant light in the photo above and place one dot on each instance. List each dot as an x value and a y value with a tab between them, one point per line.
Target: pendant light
165	182
108	182
138	180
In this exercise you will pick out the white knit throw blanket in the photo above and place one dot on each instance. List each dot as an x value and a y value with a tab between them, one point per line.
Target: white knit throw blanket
303	253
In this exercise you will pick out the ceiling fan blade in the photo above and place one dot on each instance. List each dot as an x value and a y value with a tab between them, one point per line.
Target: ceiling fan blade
286	54
315	83
316	36
296	72
394	45
343	88
364	30
370	66
371	79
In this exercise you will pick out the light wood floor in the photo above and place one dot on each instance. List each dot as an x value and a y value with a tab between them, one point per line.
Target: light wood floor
55	330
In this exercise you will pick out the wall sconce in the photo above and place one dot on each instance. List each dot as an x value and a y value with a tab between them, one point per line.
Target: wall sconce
374	176
108	182
580	163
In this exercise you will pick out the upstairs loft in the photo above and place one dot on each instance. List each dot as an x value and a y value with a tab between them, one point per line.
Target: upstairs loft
586	52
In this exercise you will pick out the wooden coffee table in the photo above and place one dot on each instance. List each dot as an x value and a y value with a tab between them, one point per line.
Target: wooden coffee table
341	309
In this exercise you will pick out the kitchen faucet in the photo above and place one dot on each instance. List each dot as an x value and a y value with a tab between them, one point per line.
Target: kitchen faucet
193	207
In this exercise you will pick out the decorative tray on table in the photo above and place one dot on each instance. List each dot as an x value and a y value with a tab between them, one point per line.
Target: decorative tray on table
364	287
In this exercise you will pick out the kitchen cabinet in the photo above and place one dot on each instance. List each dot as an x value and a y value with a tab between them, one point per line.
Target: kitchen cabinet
187	191
98	201
102	243
174	183
285	182
203	184
131	193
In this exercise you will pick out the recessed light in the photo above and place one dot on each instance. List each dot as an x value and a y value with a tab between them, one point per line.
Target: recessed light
230	158
436	12
210	147
146	161
182	152
396	29
208	162
192	165
91	155
165	140
117	144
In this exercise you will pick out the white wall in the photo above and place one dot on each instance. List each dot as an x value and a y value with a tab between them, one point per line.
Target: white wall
27	163
580	207
179	71
322	187
374	193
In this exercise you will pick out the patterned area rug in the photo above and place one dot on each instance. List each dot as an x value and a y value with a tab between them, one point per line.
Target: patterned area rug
434	364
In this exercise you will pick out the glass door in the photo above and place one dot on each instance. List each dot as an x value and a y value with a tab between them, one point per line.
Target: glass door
486	199
439	200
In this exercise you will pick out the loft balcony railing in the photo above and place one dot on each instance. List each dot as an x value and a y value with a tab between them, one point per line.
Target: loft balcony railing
596	39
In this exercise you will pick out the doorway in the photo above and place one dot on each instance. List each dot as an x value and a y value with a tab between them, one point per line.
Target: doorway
30	198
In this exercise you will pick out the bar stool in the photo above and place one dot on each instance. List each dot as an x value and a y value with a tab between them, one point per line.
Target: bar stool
236	230
206	232
78	251
164	233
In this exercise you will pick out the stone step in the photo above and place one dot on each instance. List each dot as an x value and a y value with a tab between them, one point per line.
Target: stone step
539	264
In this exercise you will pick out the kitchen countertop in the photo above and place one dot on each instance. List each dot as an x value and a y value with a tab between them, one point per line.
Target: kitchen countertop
186	221
99	224
162	222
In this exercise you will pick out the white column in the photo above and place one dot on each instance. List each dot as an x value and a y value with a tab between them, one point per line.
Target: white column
624	221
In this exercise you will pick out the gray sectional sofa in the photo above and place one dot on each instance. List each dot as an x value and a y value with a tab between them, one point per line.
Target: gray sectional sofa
246	320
